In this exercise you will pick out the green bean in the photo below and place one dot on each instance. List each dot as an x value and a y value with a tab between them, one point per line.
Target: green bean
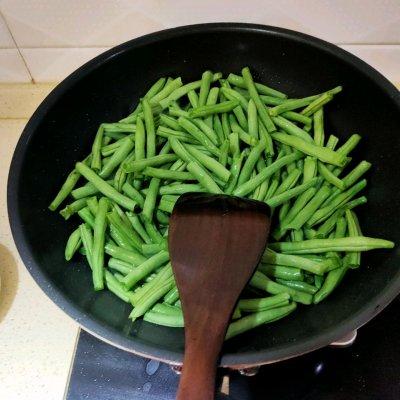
297	235
308	211
130	256
166	309
96	150
150	300
300	286
322	153
172	296
93	204
207	110
118	127
166	91
73	208
289	105
355	203
155	88
146	268
263	133
203	177
180	188
205	83
152	231
297	117
290	260
358	243
217	126
349	145
153	248
114	286
178	134
260	281
138	227
86	216
292	129
208	162
340	200
170	320
193	98
330	177
85	191
281	198
125	231
262	110
319	135
104	187
288	182
167	174
169	122
114	135
206	129
117	158
193	130
73	243
331	281
132	193
241	118
252	119
265	303
353	259
329	224
225	124
317	104
65	190
150	200
87	241
309	169
253	320
251	184
98	244
155	161
120	266
233	95
282	272
251	161
262	89
142	292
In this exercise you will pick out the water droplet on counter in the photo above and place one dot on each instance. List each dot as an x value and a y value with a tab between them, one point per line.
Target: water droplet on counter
152	367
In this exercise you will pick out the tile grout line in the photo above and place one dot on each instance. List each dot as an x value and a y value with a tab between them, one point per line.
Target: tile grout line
16	46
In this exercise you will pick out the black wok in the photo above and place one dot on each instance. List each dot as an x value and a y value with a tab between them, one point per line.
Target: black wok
108	87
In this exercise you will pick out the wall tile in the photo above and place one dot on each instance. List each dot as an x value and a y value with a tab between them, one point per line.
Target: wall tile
53	65
97	23
12	67
76	23
6	41
384	58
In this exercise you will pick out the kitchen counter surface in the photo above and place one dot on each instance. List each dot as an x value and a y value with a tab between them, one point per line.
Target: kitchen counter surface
37	340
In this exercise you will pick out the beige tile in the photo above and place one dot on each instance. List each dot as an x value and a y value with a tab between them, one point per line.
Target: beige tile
53	65
6	41
37	339
76	23
94	23
12	67
384	58
21	100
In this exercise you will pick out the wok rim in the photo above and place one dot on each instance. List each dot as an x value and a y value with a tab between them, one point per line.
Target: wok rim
108	334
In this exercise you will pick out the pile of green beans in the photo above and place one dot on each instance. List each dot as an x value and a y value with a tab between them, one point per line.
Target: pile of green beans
219	135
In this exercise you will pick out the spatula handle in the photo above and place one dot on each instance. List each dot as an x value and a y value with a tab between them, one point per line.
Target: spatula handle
199	368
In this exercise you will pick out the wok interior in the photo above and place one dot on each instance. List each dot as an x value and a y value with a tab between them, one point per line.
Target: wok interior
112	88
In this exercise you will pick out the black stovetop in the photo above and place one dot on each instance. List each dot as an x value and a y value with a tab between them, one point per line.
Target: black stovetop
368	370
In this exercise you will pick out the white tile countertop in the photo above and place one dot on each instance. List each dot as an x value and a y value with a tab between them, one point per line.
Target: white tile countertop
37	339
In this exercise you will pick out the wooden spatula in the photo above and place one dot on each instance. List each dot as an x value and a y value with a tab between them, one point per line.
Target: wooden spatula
215	243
